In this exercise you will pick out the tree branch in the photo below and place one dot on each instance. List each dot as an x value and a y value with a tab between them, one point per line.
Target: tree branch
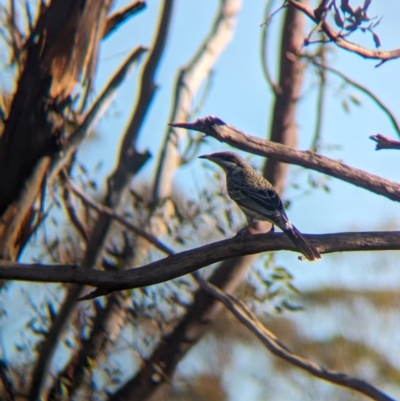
119	17
107	211
362	89
189	261
188	83
338	39
223	132
247	318
383	142
98	109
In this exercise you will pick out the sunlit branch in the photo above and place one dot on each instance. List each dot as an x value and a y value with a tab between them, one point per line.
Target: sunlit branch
383	142
223	132
188	82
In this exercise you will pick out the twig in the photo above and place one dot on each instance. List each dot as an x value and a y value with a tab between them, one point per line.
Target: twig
383	142
268	15
106	328
364	90
76	221
336	37
102	209
223	132
274	345
320	103
119	17
47	346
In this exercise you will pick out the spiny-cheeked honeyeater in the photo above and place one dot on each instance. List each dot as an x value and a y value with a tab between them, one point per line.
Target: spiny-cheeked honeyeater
258	199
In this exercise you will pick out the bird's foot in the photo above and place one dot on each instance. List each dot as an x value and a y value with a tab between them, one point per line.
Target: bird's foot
244	232
252	229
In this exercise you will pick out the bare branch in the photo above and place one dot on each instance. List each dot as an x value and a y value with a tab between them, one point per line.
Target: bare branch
106	327
98	109
268	15
274	345
187	85
17	214
119	17
364	90
320	107
383	142
189	261
336	37
226	133
73	214
97	236
110	213
47	346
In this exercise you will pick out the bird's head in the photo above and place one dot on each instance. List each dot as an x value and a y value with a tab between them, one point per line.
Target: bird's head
227	160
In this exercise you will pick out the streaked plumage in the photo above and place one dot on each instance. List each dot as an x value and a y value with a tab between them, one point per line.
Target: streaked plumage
258	199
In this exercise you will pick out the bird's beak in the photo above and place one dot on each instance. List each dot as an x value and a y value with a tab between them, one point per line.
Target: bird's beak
212	158
215	160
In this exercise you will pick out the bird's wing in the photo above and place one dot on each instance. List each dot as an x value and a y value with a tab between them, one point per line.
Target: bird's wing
265	202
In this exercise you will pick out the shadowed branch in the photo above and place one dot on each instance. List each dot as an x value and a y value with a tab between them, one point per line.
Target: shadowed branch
247	318
189	261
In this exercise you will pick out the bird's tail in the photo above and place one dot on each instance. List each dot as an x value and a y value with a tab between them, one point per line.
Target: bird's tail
308	250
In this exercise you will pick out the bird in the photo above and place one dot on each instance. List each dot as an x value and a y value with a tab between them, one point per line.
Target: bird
258	199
